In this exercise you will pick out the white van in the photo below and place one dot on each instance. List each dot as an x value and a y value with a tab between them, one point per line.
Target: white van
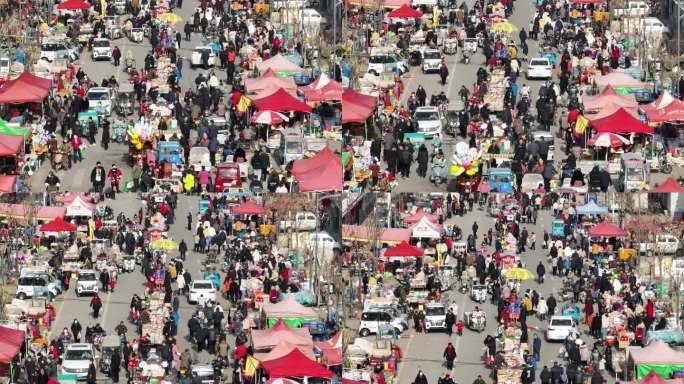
435	316
371	321
665	244
36	285
303	221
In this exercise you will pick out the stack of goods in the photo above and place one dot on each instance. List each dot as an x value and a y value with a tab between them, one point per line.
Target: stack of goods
496	90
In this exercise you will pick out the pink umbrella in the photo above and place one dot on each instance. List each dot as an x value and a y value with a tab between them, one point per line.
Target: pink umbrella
608	139
269	118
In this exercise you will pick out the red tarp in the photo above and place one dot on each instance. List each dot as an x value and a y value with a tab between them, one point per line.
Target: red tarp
657	353
377	4
18	211
618	80
268	80
58	225
332	350
322	172
388	235
7	183
322	89
11	145
72	5
606	229
404	249
270	337
405	12
420	213
11	341
356	107
665	108
295	364
278	63
621	122
281	101
249	208
27	88
669	186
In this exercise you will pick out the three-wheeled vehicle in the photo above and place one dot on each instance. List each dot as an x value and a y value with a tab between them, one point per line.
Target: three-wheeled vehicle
206	373
112	27
478	292
558	228
500	180
291	147
110	344
125	100
84	121
204	204
633	172
199	157
453	113
227	177
532	182
469	48
169	152
476	321
572	311
128	264
136	35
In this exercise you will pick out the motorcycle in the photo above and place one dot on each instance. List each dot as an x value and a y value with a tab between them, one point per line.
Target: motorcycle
438	171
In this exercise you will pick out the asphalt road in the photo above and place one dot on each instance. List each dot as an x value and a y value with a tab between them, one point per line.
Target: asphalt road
116	305
424	351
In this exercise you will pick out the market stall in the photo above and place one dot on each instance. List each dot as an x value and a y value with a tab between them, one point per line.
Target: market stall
290	312
266	339
658	357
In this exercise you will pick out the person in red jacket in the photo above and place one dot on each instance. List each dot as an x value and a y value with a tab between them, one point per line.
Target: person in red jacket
114	176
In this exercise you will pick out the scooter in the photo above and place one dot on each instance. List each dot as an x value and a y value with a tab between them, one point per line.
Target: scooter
438	172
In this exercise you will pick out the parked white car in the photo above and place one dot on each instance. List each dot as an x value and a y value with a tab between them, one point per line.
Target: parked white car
86	282
102	49
371	321
77	359
653	26
32	284
539	68
435	316
560	327
432	59
311	16
101	100
201	291
430	120
196	57
665	244
303	221
632	9
380	62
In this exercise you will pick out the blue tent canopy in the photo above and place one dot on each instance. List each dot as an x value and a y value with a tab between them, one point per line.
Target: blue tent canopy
591	208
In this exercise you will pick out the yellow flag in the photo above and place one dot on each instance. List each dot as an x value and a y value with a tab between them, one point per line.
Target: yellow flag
243	104
103	7
581	125
251	365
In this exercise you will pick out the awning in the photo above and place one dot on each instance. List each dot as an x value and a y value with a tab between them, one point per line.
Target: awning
281	100
668	186
357	107
73	5
58	225
322	172
11	341
249	208
606	229
404	249
27	88
11	145
387	235
322	89
405	12
621	122
8	183
295	364
80	207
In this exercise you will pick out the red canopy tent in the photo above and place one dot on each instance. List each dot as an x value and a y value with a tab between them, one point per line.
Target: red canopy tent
11	341
249	208
7	183
405	12
621	122
322	172
669	186
404	249
58	225
72	5
665	108
280	100
606	229
331	349
269	79
11	145
27	88
295	364
322	89
357	107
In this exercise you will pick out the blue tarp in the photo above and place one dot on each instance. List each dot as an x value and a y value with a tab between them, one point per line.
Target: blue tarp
591	208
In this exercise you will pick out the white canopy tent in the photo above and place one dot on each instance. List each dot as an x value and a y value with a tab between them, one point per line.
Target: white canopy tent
80	208
425	229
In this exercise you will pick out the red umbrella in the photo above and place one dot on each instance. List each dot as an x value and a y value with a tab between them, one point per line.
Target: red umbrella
404	249
269	118
608	139
405	12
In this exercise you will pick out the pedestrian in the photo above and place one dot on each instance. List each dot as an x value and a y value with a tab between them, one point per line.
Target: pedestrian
189	226
114	366
541	271
450	355
450	320
443	73
76	330
97	177
96	305
422	161
91	377
116	55
104	279
536	347
114	175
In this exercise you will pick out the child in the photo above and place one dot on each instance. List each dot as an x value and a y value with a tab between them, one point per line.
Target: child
459	327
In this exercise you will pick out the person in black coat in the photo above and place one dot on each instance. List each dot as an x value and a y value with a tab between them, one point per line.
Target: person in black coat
422	161
114	367
76	330
92	374
420	378
450	320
